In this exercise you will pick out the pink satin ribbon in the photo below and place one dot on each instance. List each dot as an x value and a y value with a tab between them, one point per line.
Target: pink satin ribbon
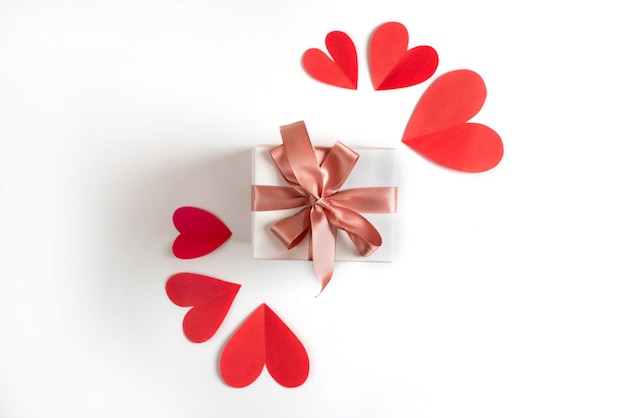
315	177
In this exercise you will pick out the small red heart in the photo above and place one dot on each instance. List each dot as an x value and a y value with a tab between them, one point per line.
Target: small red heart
392	66
343	71
201	232
264	339
211	299
438	129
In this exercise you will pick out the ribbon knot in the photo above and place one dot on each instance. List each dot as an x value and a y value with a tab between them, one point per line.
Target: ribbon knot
320	201
314	178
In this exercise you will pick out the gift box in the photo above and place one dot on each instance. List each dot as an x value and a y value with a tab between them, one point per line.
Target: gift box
375	168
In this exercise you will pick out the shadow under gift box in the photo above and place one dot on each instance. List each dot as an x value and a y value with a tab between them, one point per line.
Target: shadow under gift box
376	167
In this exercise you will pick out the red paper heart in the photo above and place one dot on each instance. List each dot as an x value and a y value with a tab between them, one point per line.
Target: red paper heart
201	233
392	66
343	71
211	299
264	339
438	129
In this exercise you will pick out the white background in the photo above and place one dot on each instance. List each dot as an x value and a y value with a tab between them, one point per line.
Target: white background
506	298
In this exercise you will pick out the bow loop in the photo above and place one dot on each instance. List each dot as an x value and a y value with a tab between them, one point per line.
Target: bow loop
337	166
302	168
363	234
292	229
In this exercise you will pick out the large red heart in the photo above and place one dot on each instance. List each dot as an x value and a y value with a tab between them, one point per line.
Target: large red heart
211	299
438	129
264	339
392	66
201	232
343	71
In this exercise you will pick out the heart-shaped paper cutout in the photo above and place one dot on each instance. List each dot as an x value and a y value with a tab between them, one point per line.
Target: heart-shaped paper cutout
438	129
210	299
392	66
201	232
343	71
264	339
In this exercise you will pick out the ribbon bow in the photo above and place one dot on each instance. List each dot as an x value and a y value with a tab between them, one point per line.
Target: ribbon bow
315	177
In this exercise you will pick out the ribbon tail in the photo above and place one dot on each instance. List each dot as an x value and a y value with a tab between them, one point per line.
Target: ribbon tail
323	236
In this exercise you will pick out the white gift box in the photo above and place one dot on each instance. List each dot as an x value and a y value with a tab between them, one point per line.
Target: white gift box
375	168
